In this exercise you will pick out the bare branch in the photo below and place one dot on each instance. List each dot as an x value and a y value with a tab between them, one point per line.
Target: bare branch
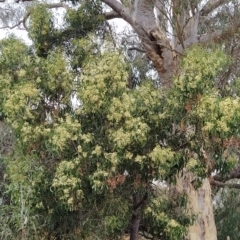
222	185
137	49
17	1
28	13
111	15
120	9
234	174
220	35
160	6
25	19
211	5
115	5
57	5
216	36
11	27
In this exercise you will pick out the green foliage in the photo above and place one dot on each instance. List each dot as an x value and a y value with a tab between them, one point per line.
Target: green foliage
90	157
167	214
85	18
227	214
41	28
80	170
7	140
207	63
77	23
20	218
208	119
10	50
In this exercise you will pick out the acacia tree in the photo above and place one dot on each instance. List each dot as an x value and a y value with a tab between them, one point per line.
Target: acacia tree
164	36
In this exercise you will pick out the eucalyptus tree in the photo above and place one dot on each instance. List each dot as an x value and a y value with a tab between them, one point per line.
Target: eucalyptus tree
164	29
89	170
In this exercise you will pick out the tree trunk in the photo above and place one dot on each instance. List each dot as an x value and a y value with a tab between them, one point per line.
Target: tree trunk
157	46
199	203
135	221
155	42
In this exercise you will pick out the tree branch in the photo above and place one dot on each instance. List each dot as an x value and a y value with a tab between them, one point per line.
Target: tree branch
220	35
57	5
234	174
14	26
120	9
222	185
216	36
137	49
28	13
111	15
211	5
17	1
115	5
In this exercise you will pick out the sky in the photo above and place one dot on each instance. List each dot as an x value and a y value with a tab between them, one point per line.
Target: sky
20	33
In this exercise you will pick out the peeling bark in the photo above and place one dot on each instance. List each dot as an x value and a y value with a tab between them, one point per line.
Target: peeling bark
158	48
199	203
162	55
155	42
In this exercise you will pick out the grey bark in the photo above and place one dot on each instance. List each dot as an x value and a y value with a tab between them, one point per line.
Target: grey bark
185	18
